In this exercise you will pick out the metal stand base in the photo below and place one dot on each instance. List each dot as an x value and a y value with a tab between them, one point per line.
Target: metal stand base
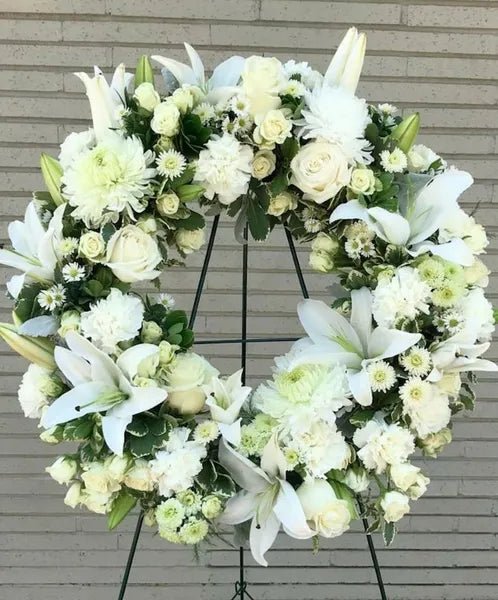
241	585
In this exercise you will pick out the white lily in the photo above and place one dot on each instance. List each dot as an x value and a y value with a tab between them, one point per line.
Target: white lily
418	218
106	100
355	343
451	356
219	87
102	385
34	248
345	67
225	398
266	498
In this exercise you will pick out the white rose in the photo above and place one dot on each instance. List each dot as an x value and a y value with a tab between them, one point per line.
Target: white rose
281	203
420	158
63	469
183	99
166	119
139	477
395	505
167	353
321	262
189	241
132	255
325	513
319	170
98	478
167	204
262	80
92	246
263	164
96	502
419	487
362	181
151	332
475	237
147	224
70	321
404	475
433	443
477	274
146	96
211	507
117	467
73	495
273	128
450	384
325	243
357	479
186	374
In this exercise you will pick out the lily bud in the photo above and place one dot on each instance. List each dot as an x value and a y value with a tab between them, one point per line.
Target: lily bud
406	132
143	71
52	173
345	67
189	192
37	350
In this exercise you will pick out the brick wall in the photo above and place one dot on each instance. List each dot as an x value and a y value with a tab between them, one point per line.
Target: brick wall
438	57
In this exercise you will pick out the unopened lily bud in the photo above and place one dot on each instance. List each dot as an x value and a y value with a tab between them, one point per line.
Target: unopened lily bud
406	132
37	350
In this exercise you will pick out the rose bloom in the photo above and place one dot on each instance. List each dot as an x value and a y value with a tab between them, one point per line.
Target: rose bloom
186	374
167	204
263	164
281	203
395	506
166	119
133	255
272	129
262	80
362	181
325	513
91	246
146	96
320	170
189	241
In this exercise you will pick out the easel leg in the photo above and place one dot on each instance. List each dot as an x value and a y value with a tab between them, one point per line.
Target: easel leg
131	556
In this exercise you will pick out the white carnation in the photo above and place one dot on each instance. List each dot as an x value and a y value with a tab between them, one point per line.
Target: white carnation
105	323
427	407
224	169
420	158
110	178
337	116
461	225
74	146
405	295
477	314
395	505
31	397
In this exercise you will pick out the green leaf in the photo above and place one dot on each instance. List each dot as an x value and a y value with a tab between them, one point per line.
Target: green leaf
176	328
138	427
187	338
374	526
193	135
52	174
143	71
175	339
224	485
107	231
289	149
158	427
234	208
467	396
79	429
185	177
192	222
123	504
279	184
142	446
26	305
175	316
361	417
93	288
207	476
189	192
388	533
259	223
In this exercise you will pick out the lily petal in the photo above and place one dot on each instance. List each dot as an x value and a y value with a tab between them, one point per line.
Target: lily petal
74	404
262	536
197	66
113	430
227	73
129	361
391	226
239	509
231	433
74	368
361	315
244	472
359	384
141	400
385	343
290	512
181	72
455	251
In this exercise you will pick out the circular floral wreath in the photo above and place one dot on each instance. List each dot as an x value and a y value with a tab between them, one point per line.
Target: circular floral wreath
380	373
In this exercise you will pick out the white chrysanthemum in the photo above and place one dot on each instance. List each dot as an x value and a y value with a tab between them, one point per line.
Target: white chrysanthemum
30	394
170	514
427	407
74	146
110	178
167	301
336	115
294	88
417	361
67	246
194	531
452	321
393	162
381	375
73	272
224	169
205	112
170	164
115	319
175	467
239	104
478	320
404	295
382	445
52	298
387	109
206	432
307	75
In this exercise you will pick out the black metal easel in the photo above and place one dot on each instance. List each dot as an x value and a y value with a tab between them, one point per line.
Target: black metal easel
241	585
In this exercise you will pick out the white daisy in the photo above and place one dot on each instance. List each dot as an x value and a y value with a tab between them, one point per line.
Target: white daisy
67	246
294	88
417	361
52	298
206	432
313	225
167	301
393	162
382	376
205	112
171	164
239	104
453	321
73	272
415	390
387	109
